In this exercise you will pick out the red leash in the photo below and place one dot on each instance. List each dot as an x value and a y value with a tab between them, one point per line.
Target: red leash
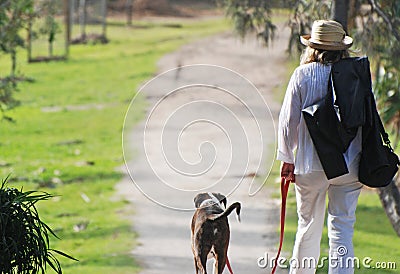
284	192
228	264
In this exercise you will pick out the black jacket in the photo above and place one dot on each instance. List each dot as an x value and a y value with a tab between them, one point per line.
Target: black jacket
333	125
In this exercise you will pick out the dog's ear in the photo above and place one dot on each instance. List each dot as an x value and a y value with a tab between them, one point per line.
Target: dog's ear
221	198
199	199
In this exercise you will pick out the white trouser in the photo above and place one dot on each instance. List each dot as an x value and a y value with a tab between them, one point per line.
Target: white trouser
343	194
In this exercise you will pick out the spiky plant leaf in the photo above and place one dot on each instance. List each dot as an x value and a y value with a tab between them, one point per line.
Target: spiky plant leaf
24	237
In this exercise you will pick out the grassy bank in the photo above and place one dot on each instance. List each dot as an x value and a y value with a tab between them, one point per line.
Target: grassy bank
66	138
375	241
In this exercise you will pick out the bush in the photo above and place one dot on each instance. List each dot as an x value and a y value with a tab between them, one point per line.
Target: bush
24	238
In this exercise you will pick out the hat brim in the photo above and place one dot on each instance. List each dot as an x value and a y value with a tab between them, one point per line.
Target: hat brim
346	43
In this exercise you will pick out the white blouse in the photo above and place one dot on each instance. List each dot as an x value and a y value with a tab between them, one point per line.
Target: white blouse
308	84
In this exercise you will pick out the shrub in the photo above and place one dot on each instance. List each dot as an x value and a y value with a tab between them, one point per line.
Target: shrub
24	237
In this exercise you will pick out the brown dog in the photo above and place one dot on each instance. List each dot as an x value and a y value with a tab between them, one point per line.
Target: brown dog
210	231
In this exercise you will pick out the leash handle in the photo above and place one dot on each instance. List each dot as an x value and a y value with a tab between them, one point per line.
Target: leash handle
284	192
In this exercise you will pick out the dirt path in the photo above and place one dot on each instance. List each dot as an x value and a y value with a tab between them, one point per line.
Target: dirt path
213	135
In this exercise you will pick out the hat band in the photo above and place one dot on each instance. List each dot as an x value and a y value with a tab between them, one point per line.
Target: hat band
327	36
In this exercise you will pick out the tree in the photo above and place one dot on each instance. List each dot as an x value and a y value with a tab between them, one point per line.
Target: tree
14	16
376	29
383	43
340	12
8	86
49	27
251	16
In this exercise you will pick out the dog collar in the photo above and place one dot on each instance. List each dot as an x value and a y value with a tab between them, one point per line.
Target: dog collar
215	199
212	200
206	203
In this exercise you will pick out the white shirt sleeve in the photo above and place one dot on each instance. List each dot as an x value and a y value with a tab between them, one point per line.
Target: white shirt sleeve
289	119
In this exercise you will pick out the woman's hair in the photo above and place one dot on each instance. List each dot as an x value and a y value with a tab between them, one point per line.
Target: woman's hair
311	55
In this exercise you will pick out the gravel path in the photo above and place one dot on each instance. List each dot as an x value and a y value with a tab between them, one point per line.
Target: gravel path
207	129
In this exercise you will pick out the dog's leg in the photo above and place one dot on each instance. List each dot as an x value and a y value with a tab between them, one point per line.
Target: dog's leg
220	261
195	266
202	257
203	264
200	264
221	265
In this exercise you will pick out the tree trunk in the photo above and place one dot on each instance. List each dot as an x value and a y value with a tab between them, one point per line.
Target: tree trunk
390	198
68	5
82	18
13	54
340	12
104	17
354	6
29	40
129	11
50	49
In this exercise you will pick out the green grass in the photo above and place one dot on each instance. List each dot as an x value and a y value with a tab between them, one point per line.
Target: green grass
66	138
374	236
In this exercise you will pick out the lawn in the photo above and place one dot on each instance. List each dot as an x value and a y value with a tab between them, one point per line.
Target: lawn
66	138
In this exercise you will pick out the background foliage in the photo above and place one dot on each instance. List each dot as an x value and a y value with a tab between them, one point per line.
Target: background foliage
374	26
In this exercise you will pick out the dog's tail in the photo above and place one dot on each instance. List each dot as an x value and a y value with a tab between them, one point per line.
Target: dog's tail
228	211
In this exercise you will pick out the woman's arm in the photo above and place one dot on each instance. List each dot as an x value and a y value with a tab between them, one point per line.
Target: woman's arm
289	119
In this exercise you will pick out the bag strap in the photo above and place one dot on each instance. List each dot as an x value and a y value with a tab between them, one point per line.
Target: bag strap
284	192
384	135
381	128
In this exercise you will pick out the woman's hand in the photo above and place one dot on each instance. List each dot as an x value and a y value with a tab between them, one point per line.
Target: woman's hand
287	171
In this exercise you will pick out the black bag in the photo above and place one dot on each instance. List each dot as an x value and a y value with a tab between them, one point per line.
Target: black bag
383	175
330	138
333	122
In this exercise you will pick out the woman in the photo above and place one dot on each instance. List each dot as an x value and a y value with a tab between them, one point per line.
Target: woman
326	45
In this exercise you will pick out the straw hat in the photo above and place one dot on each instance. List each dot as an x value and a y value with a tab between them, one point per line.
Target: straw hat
327	35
